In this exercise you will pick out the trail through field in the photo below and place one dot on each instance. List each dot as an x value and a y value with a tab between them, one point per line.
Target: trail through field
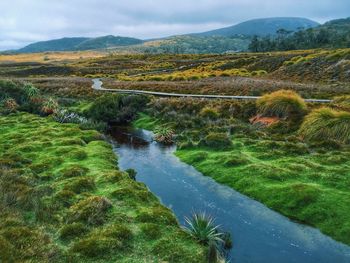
97	85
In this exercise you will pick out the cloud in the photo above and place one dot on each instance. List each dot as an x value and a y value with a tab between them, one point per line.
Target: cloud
25	21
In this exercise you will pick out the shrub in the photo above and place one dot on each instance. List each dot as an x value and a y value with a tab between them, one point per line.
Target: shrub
282	103
326	124
217	140
132	173
116	108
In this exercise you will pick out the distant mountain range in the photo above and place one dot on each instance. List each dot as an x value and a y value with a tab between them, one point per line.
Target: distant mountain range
230	39
80	43
263	27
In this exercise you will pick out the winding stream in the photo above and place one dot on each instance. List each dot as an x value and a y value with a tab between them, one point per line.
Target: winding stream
259	234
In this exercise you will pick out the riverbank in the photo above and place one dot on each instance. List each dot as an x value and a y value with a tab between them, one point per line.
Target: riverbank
307	185
64	199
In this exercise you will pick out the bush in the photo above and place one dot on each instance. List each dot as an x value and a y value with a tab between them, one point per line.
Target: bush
116	108
217	140
283	104
326	124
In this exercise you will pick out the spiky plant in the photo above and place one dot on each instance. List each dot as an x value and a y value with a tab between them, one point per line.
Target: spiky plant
282	103
164	135
50	106
202	228
326	124
31	91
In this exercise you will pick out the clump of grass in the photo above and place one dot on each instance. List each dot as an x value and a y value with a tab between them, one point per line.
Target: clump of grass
282	103
102	242
72	230
92	210
342	102
151	230
216	140
326	124
164	135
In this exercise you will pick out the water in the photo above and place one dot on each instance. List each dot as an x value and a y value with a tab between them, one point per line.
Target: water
259	234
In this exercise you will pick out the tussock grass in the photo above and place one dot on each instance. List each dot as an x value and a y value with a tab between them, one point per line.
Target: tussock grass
63	199
326	124
282	103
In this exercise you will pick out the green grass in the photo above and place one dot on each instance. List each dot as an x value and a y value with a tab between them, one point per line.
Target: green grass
63	199
308	187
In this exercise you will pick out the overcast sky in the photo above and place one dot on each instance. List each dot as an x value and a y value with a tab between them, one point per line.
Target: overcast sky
26	21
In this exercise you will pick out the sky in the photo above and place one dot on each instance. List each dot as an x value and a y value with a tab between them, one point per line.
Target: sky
26	21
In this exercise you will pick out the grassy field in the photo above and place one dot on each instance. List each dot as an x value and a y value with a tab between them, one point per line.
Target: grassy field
63	199
305	180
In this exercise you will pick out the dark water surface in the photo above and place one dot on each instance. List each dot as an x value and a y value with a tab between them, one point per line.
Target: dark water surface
259	234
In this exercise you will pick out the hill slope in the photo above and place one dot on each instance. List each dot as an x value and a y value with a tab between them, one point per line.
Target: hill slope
79	43
63	44
263	27
333	34
107	42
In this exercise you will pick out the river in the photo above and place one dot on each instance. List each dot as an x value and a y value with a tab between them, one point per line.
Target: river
259	234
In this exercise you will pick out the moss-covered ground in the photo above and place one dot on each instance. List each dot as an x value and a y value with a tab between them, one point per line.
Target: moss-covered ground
63	199
306	183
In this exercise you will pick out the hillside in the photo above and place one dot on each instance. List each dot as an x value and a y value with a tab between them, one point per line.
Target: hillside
263	27
333	34
195	45
107	42
63	44
79	43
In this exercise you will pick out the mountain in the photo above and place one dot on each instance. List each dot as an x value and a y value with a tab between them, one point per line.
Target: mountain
333	34
263	27
79	43
107	42
63	44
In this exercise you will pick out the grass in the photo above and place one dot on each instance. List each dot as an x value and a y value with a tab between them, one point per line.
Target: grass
282	103
62	198
327	123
